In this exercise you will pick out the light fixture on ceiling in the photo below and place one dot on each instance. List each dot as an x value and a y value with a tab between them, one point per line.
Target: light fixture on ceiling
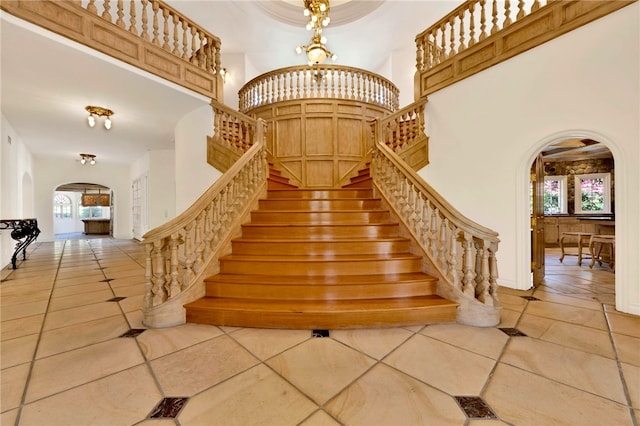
87	158
100	112
318	13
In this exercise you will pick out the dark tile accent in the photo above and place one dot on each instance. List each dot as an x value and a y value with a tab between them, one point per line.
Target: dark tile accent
106	280
116	299
168	408
475	407
320	333
513	332
530	297
133	332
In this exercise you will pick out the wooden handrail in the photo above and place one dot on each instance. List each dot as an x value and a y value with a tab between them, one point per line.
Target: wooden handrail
178	252
320	81
463	251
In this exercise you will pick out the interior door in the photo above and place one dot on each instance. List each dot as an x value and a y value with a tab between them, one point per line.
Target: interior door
537	222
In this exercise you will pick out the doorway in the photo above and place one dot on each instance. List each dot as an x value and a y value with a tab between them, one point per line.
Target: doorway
82	210
571	198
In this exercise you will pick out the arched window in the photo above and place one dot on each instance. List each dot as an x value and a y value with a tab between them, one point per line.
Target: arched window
62	207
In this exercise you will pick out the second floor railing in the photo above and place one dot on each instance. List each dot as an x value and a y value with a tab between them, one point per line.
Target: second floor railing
148	34
321	81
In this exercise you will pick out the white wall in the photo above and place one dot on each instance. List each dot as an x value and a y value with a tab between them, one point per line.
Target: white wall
16	171
193	174
51	173
162	187
487	129
235	65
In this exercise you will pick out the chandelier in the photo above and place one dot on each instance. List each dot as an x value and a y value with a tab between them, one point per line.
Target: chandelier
318	13
100	112
87	158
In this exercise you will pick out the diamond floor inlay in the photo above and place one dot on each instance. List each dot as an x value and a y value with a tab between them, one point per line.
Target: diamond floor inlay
116	299
320	333
513	332
168	408
475	407
134	332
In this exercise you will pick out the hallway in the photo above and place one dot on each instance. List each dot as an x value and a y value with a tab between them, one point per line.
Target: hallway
74	351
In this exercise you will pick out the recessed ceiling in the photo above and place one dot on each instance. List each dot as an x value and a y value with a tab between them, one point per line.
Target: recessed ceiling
341	11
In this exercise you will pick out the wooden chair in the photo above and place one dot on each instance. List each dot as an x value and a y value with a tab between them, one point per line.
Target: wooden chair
583	242
601	241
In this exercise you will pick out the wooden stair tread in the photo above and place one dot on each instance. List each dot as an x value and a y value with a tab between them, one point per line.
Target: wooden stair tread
337	280
321	258
322	306
315	240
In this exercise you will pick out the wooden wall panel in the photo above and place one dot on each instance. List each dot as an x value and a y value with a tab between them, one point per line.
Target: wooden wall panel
319	173
350	137
318	136
289	140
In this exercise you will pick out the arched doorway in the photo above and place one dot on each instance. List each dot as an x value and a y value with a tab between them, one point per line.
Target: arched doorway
571	199
82	210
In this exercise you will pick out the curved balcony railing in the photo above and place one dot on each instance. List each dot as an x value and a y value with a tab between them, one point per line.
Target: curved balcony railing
322	81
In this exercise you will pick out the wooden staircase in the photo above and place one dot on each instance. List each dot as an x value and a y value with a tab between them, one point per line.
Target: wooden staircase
320	259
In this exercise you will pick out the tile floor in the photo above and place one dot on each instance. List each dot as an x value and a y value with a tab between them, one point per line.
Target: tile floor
74	352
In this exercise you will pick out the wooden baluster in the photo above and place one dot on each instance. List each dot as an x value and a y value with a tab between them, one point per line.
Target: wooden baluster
208	232
120	13
443	246
148	276
443	43
452	258
433	232
185	40
325	82
462	45
155	8
420	54
105	13
472	24
145	21
216	60
483	20
132	18
507	14
494	19
414	209
521	11
176	37
482	289
452	37
468	275
194	46
165	29
199	243
203	56
91	7
493	273
189	257
174	285
478	265
159	280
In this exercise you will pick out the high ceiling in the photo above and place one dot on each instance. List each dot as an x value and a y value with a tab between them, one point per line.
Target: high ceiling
47	80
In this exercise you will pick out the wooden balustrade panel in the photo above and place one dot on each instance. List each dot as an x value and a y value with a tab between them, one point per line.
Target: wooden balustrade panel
319	143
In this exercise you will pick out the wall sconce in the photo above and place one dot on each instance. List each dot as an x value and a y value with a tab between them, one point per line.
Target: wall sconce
225	74
100	112
87	158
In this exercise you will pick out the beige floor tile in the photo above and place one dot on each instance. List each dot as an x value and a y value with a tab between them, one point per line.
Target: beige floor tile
79	280
514	303
79	289
376	343
487	422
631	375
484	341
265	343
17	299
13	380
134	318
130	290
512	291
156	343
320	367
157	422
199	367
21	327
320	418
18	351
81	314
26	288
87	275
567	300
69	369
9	417
571	335
124	282
523	398
124	398
82	334
75	300
628	348
588	372
256	397
624	324
572	314
384	396
509	318
132	303
448	368
23	310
